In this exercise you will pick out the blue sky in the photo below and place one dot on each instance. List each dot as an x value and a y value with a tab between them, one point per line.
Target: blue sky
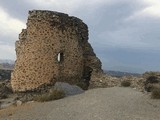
125	34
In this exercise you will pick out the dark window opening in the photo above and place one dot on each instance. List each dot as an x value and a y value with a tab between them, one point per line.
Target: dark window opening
60	57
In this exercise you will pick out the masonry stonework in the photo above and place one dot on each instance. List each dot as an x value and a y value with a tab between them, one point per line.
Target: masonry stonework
53	47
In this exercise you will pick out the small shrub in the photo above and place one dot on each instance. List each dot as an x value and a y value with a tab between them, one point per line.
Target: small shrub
156	92
57	94
149	87
149	83
151	73
54	94
152	79
82	85
125	83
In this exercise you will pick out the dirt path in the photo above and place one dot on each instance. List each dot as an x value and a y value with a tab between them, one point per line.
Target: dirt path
98	104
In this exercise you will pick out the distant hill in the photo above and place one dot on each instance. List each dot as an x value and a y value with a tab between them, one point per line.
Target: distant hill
7	61
6	67
6	64
120	74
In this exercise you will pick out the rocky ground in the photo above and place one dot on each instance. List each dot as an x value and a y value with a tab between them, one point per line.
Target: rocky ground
103	81
98	81
112	90
115	103
8	98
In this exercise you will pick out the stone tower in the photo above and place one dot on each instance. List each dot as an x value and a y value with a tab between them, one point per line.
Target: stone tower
53	47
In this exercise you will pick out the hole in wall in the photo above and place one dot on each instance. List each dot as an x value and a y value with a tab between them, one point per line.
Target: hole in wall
60	57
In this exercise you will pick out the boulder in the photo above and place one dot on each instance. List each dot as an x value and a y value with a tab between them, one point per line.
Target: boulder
68	89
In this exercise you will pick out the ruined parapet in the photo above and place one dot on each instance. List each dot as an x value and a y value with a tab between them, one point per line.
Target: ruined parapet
52	48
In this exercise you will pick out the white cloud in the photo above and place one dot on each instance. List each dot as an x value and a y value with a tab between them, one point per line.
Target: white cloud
10	28
8	25
7	52
152	9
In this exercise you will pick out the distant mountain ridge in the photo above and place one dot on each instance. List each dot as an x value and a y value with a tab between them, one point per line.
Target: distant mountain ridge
6	64
7	61
120	73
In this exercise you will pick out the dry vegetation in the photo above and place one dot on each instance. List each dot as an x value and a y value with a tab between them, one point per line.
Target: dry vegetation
155	93
54	94
104	80
82	85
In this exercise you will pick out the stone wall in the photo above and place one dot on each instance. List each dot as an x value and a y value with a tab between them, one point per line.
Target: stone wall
53	47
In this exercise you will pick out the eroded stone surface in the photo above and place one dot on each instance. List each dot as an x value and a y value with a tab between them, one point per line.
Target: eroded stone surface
53	47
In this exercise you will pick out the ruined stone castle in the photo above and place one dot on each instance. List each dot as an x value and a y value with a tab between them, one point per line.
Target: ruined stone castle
53	47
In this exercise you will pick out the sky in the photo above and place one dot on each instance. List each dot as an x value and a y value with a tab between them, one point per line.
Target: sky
125	34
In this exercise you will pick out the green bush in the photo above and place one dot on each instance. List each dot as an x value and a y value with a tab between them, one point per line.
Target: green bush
125	83
54	94
155	94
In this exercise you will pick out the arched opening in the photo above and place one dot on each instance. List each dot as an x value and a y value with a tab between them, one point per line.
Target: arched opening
60	57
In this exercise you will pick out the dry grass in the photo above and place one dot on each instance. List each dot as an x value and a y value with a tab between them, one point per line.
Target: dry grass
54	94
156	92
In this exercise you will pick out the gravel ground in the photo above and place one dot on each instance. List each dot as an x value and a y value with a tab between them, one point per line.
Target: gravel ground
115	103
